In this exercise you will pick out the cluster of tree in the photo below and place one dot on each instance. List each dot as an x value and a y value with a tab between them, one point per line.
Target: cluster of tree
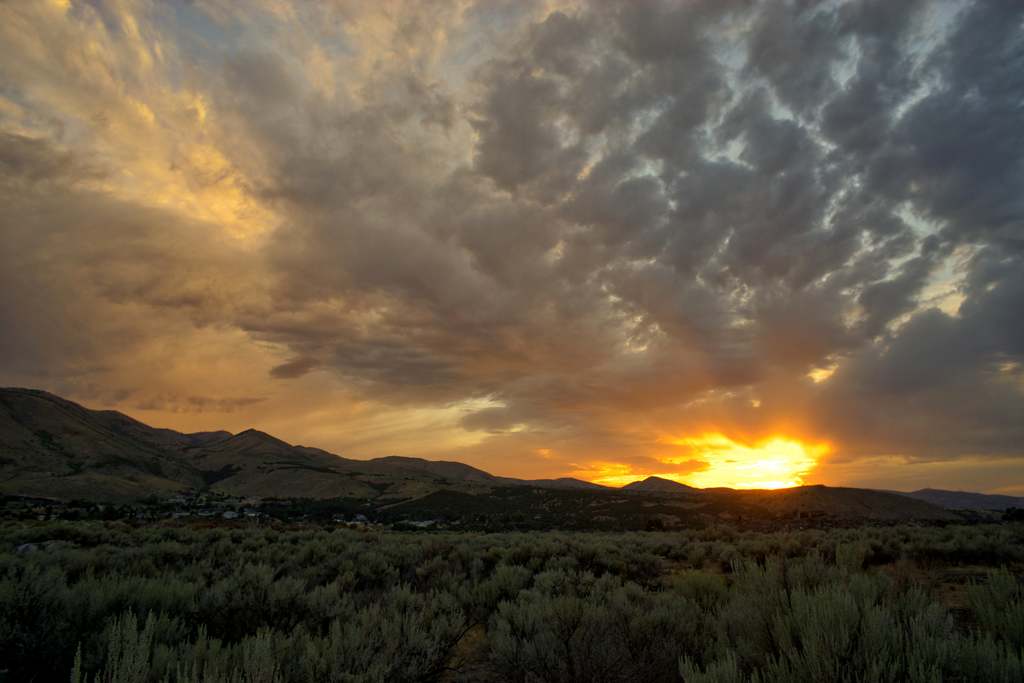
112	603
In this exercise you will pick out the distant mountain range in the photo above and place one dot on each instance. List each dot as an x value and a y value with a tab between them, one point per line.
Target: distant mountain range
949	500
965	500
53	448
658	485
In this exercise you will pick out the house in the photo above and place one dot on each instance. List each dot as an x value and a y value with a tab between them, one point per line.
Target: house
423	524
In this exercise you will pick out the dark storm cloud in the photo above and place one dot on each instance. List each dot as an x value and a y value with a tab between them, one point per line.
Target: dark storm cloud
953	155
608	219
27	160
297	367
952	383
666	219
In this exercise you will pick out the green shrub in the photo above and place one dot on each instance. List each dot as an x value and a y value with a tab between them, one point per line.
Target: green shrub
998	605
109	602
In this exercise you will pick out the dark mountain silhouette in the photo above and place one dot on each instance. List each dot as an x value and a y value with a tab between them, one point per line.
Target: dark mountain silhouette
658	485
561	483
965	500
442	469
53	448
837	501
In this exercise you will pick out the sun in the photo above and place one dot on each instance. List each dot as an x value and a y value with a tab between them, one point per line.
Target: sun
774	462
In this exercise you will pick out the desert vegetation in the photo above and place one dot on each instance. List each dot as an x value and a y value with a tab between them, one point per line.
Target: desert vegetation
111	602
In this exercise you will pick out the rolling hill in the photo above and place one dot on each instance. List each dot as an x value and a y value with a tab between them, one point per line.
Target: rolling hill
965	500
53	448
658	485
50	447
841	502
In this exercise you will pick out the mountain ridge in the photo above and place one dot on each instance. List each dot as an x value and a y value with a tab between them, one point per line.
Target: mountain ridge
52	447
655	484
965	500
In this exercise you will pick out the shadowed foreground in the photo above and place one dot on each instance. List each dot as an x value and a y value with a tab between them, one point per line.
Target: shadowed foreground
110	602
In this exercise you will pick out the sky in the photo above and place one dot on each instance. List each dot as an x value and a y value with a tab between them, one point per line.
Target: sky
729	243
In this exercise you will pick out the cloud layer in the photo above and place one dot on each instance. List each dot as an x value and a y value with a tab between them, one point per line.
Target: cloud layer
543	239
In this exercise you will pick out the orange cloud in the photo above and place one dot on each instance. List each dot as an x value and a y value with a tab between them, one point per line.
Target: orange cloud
713	459
771	463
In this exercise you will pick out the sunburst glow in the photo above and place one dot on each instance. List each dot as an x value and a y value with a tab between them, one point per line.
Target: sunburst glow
773	463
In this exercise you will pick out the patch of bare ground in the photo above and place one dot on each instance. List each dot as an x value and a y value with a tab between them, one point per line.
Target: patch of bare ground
469	658
948	585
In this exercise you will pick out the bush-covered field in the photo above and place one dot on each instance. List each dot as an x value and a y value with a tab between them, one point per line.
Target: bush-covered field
85	601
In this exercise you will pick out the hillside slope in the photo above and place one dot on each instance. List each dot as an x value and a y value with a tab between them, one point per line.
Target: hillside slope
253	463
840	502
51	447
441	469
658	485
54	448
965	500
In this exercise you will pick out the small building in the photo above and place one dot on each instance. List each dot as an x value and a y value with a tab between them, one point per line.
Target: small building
424	523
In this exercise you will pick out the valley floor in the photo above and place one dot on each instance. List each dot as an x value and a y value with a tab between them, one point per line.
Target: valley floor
108	601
